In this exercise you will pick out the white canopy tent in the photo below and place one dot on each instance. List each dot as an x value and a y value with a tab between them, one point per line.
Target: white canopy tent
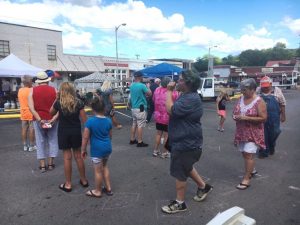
12	66
93	81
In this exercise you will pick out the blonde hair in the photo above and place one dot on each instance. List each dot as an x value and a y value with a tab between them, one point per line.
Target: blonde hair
67	97
105	86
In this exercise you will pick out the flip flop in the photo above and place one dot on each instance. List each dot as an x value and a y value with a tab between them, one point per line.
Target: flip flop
107	192
90	193
84	185
62	187
242	186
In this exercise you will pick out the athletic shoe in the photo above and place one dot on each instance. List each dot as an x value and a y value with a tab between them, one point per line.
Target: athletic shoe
156	153
25	148
141	144
174	207
202	193
31	148
165	155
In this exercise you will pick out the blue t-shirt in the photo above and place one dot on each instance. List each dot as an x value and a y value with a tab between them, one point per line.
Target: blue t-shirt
138	95
99	136
185	131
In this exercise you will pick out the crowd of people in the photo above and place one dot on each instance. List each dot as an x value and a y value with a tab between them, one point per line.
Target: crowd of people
58	117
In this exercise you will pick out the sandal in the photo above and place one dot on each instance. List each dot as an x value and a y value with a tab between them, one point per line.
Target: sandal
242	186
43	169
51	166
84	185
90	193
63	187
107	192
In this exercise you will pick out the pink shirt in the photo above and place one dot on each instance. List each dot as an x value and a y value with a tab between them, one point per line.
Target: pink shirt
160	110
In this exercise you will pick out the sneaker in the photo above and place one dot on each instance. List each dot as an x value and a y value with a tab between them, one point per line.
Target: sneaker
31	148
174	207
133	142
25	148
156	153
202	193
165	155
142	144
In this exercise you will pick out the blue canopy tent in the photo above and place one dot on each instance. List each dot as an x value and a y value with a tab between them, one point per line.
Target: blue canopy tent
161	70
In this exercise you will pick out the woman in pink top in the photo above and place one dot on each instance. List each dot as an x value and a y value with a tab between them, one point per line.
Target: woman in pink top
161	116
250	114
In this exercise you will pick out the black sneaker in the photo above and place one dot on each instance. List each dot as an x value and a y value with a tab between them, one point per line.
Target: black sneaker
202	193
133	142
174	207
142	144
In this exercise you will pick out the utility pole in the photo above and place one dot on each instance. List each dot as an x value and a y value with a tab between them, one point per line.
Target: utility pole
210	69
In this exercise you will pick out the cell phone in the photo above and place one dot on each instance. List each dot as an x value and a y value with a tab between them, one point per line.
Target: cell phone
142	108
46	125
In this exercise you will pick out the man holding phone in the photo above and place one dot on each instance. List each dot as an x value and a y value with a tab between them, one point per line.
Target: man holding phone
138	104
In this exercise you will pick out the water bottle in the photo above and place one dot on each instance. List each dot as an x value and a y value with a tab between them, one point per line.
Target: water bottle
162	140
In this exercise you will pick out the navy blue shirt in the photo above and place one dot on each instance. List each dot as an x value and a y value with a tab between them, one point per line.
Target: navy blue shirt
185	131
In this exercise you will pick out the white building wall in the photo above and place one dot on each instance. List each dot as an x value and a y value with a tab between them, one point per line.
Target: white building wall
30	44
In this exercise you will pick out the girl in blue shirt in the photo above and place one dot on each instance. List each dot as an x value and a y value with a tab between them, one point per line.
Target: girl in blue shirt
98	130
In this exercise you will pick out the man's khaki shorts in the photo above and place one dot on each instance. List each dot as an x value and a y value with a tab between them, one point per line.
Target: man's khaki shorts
138	118
27	124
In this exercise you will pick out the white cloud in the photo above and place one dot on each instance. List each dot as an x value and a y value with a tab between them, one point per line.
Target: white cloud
78	40
84	2
292	24
143	23
251	30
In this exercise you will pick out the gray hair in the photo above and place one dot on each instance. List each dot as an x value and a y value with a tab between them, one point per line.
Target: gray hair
27	80
249	83
165	81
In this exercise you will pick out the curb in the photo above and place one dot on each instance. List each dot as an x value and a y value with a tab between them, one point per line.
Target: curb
15	113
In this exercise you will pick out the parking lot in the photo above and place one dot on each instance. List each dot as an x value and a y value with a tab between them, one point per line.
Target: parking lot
142	184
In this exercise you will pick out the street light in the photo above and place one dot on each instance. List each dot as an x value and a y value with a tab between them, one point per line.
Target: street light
210	63
117	56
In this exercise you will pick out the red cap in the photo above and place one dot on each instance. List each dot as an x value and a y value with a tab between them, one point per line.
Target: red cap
266	82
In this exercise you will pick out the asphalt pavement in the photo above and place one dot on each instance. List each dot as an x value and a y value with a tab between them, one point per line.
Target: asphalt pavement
142	184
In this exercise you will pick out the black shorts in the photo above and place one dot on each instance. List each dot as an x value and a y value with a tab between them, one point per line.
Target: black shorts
182	163
162	127
68	141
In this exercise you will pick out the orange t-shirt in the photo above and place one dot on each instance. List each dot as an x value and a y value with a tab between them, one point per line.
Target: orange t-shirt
23	100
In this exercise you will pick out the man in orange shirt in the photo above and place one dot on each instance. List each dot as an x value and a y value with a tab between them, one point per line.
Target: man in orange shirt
26	115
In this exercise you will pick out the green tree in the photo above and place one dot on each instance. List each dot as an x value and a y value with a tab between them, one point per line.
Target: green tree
252	58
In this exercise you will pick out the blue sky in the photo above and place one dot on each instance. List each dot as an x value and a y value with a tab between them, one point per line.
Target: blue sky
162	28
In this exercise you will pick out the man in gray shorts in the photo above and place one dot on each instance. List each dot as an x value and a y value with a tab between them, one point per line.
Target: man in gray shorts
138	103
185	139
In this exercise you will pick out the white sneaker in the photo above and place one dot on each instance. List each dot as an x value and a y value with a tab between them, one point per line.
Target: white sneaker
156	153
165	155
32	148
25	148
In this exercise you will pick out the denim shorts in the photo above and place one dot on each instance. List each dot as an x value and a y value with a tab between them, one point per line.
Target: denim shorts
182	163
102	160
